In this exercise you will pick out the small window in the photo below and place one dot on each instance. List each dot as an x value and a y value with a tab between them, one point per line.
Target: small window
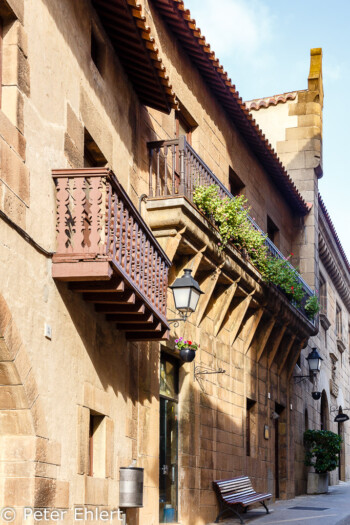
323	295
185	124
97	49
272	231
338	321
250	426
97	445
235	183
182	127
93	156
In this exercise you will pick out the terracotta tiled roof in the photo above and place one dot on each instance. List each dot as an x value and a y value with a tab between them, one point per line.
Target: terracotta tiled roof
334	233
193	42
126	28
265	102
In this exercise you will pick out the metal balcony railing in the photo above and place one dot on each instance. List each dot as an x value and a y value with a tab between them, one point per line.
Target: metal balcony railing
175	169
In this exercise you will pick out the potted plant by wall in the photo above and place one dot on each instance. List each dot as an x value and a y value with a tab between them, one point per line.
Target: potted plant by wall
187	349
322	453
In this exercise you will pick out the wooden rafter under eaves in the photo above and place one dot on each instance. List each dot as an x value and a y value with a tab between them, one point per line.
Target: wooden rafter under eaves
135	47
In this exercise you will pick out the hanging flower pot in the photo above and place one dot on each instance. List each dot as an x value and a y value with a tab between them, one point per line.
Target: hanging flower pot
187	349
187	354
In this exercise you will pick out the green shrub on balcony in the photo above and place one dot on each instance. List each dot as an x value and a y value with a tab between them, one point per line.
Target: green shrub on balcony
282	275
231	217
232	220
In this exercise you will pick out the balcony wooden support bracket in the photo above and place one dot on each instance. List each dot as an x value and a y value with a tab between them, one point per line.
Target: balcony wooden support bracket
237	316
251	327
108	253
261	342
286	352
294	356
208	287
275	344
222	306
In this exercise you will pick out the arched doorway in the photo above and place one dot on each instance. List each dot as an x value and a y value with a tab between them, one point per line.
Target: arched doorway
324	411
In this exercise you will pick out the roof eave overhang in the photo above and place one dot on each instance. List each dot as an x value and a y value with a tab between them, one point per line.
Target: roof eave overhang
131	38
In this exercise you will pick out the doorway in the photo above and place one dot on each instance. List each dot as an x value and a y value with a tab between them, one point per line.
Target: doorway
341	453
280	443
168	441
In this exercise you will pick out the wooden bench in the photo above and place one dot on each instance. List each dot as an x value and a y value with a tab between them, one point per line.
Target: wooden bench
237	492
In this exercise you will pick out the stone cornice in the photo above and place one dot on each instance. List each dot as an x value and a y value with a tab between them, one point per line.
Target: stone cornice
332	260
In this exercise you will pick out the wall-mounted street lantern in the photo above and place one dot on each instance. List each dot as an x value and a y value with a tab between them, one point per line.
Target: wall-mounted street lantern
341	417
314	360
186	292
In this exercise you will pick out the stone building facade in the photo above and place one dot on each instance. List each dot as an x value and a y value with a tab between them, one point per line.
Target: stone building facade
105	110
293	123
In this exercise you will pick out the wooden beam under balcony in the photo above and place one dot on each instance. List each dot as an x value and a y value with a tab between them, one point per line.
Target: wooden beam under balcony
137	308
131	318
110	256
116	284
127	297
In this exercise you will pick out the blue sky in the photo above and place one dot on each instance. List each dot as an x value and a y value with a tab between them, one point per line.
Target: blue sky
264	45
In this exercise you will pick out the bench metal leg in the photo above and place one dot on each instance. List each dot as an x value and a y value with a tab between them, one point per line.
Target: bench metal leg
228	509
264	505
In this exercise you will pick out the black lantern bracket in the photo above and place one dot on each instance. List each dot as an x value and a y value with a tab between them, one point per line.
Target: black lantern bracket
182	319
314	359
311	375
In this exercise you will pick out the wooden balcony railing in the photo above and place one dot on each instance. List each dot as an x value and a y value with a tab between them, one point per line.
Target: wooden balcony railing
175	169
101	237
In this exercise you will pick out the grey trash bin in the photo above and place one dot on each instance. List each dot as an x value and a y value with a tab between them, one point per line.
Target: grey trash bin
131	487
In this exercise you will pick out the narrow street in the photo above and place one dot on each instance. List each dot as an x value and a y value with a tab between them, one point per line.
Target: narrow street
327	509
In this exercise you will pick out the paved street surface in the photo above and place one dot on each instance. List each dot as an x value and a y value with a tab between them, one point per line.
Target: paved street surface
327	509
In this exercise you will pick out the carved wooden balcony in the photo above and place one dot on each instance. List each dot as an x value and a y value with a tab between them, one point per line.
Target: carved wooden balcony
107	253
175	169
